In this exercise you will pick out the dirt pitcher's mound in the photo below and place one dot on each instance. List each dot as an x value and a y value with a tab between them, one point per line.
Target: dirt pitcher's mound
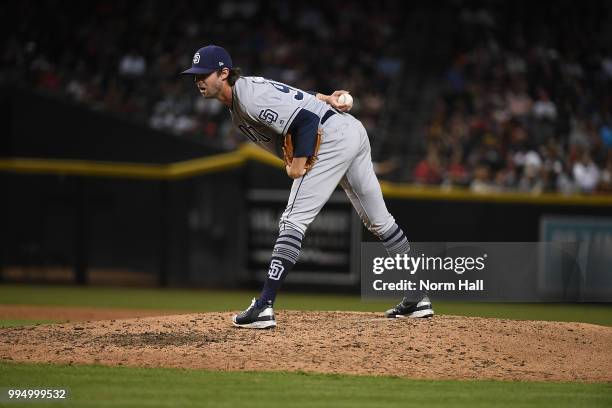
60	313
330	342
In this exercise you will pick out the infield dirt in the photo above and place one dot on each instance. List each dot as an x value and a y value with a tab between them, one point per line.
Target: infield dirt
445	347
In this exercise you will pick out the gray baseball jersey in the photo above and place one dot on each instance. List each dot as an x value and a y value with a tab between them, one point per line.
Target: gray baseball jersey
263	110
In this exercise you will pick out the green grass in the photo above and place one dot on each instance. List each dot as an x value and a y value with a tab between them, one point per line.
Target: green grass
183	300
98	386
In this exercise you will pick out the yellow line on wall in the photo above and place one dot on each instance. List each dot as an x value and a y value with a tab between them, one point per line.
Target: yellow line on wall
83	168
210	164
235	159
172	171
409	191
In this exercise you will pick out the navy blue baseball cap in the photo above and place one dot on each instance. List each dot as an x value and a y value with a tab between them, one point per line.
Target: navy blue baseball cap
208	59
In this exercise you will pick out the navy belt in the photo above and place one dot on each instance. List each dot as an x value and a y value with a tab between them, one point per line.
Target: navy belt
327	115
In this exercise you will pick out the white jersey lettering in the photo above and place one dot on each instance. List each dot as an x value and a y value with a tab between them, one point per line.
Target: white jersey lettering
263	110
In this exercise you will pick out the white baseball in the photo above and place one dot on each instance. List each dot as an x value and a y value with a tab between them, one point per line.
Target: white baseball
345	99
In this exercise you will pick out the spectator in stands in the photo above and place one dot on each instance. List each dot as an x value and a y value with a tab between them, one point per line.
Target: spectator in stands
429	170
518	100
544	108
552	165
605	183
132	64
482	180
531	180
586	173
456	172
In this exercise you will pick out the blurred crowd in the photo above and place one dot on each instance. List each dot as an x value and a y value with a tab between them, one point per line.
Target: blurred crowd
527	104
125	57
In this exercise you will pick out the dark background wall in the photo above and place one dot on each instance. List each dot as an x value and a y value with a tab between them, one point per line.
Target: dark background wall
172	231
39	125
176	232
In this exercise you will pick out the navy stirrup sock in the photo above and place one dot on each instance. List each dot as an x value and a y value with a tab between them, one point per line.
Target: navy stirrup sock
285	254
395	242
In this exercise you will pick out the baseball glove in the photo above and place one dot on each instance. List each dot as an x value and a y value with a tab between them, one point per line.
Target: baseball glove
288	151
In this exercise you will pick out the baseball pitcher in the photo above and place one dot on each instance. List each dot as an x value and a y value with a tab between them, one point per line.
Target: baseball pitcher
322	146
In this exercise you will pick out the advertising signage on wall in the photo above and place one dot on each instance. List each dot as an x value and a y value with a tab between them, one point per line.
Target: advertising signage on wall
330	251
586	240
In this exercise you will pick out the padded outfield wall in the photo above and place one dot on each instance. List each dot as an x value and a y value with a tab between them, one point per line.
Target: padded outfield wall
92	199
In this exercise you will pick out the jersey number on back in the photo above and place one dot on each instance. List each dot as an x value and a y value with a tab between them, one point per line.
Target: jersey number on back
286	89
